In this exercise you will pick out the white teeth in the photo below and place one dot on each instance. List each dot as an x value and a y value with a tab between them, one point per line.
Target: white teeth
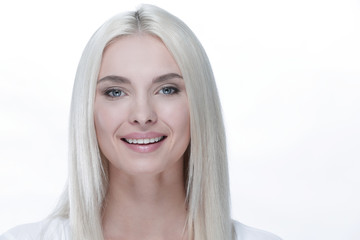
143	141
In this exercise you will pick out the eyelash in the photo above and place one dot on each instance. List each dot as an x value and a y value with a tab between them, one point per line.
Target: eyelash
173	90
111	92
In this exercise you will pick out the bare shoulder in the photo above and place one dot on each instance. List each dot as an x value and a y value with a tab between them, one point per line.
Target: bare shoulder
244	232
56	229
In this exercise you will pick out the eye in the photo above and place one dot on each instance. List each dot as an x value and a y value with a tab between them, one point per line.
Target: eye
114	93
169	90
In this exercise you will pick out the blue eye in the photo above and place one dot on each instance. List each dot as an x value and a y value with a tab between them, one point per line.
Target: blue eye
114	93
168	90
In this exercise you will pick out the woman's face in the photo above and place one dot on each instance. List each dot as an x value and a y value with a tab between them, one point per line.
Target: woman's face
141	108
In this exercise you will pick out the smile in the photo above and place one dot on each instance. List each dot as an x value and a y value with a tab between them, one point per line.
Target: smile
143	141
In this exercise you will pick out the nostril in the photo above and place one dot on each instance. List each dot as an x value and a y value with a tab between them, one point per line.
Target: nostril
142	115
140	122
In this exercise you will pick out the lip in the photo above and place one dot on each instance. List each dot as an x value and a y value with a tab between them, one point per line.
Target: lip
143	135
144	148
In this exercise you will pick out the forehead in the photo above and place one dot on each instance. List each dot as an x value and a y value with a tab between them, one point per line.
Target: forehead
137	54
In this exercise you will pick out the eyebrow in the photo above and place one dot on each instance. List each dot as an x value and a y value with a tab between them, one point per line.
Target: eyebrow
114	78
166	77
120	79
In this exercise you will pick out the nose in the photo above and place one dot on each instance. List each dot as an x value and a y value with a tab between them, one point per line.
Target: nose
142	113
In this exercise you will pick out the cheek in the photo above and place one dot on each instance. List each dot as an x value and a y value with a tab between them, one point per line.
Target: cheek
177	116
107	120
183	120
102	119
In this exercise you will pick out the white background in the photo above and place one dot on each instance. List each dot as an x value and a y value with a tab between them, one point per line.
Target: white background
288	73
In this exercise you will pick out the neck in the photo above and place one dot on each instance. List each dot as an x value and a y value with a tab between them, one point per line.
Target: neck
145	206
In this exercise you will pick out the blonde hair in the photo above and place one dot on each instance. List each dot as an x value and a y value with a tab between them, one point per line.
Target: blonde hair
207	186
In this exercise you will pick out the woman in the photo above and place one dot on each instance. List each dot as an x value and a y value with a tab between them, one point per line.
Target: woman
147	142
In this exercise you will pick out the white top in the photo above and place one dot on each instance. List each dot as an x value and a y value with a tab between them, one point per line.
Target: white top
58	229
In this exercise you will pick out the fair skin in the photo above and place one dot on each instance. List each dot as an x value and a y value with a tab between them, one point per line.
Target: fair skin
142	124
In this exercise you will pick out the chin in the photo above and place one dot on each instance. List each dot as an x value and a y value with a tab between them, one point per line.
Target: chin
147	167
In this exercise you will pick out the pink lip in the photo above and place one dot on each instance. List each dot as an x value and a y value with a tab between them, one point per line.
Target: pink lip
144	148
143	135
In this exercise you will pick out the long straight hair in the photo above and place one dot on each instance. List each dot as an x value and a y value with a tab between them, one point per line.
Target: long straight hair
207	184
